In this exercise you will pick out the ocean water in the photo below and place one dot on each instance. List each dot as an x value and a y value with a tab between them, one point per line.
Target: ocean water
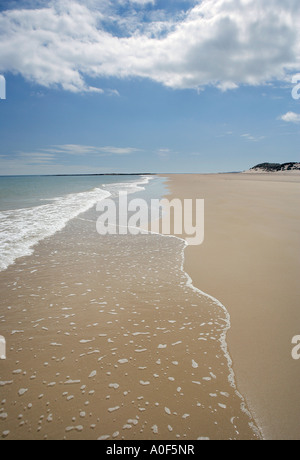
34	208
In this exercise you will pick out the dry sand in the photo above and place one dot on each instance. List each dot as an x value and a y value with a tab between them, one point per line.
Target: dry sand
250	261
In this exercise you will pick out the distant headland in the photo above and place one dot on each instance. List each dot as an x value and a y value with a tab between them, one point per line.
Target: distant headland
103	174
274	167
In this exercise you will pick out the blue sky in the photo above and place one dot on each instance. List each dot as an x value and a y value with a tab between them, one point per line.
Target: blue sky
148	86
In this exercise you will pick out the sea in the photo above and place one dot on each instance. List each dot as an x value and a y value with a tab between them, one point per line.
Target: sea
33	208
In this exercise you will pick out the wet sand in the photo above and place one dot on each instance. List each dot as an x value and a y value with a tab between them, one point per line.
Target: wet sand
250	261
107	340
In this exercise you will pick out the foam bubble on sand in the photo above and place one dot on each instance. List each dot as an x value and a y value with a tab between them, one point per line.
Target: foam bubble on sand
155	429
74	428
114	385
113	409
94	352
127	427
22	391
140	333
133	421
223	406
195	365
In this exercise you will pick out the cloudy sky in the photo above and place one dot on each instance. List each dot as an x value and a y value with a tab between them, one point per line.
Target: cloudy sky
148	85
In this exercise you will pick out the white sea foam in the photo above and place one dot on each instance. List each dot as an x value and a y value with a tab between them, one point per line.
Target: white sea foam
223	339
129	187
22	229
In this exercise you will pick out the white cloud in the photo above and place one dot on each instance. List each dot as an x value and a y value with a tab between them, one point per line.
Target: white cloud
56	159
225	43
36	157
71	149
141	2
249	137
291	117
51	154
164	153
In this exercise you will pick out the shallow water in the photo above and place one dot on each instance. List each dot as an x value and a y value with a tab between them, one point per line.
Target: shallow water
34	208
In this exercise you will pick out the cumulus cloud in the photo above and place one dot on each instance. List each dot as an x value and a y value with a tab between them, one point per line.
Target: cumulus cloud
225	43
291	117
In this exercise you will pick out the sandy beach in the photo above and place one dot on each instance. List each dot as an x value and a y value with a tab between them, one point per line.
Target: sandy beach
250	262
107	339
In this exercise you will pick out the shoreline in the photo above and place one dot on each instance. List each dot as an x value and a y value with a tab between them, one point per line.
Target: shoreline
108	339
218	190
257	430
